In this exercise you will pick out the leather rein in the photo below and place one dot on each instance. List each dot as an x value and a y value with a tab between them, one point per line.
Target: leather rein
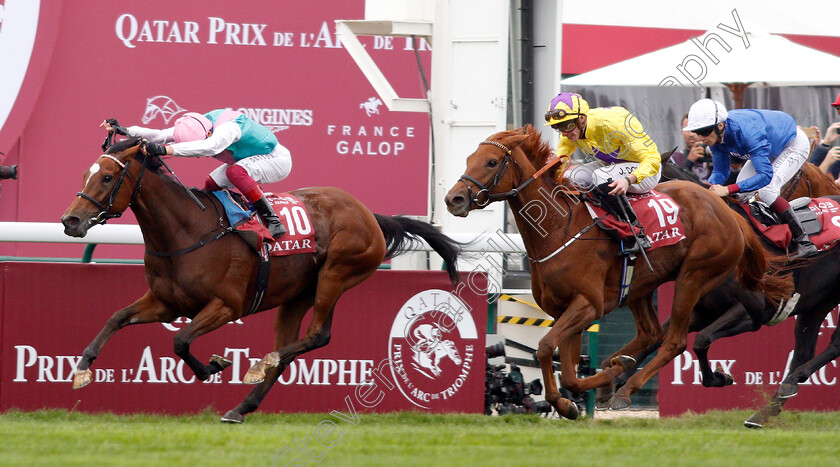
104	215
490	197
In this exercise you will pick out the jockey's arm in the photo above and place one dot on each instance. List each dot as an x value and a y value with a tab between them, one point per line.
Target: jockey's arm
223	136
153	135
759	151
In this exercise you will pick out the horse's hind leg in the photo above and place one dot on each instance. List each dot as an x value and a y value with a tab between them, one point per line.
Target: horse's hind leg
287	329
145	310
214	315
334	279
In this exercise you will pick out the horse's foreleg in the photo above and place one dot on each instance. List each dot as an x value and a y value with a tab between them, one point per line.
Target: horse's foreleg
649	334
286	328
565	335
145	310
214	315
686	295
734	321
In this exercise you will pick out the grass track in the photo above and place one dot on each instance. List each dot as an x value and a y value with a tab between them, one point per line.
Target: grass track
716	438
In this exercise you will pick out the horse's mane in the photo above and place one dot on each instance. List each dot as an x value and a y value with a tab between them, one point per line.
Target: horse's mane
672	171
153	164
538	151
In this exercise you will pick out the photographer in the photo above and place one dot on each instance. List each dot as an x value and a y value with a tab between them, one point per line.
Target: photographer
8	171
695	156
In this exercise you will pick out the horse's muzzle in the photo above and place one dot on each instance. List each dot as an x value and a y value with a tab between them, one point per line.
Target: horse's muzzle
457	204
74	227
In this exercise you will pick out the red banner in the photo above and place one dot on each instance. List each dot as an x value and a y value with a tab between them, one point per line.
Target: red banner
280	63
758	361
419	342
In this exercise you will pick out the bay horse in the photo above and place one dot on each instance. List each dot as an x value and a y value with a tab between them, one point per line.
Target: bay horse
576	271
213	284
730	309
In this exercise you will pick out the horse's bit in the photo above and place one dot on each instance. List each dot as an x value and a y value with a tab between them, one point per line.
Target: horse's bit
484	191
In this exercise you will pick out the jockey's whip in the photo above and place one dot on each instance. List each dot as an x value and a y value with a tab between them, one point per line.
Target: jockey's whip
638	242
189	192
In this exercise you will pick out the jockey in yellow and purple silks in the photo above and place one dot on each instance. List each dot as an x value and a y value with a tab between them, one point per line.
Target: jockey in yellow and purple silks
624	155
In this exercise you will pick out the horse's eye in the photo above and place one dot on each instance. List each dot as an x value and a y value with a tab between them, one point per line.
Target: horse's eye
107	178
492	163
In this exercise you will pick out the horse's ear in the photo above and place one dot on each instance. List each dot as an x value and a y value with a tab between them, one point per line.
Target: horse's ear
516	140
667	155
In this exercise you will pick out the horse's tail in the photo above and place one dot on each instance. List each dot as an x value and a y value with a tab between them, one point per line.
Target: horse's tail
401	231
760	269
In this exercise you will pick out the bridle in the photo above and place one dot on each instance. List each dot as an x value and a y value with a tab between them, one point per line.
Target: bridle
104	215
484	197
485	190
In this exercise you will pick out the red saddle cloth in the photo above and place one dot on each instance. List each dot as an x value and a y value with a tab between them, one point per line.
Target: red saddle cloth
658	213
828	213
300	236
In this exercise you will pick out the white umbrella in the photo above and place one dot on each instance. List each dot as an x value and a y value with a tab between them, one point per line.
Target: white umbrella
724	60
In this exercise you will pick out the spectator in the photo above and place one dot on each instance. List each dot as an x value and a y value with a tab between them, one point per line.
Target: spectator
827	154
695	156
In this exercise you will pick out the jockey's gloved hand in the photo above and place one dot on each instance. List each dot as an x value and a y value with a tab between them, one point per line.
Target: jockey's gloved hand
115	126
153	149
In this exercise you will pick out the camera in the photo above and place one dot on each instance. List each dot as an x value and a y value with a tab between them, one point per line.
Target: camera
8	171
506	392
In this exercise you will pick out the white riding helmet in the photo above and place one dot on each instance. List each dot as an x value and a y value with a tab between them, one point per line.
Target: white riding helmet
705	113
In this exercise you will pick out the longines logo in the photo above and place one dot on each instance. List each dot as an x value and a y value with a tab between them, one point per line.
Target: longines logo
431	347
162	106
274	119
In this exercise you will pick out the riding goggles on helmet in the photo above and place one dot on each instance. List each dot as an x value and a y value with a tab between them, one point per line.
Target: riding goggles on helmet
557	114
567	125
705	131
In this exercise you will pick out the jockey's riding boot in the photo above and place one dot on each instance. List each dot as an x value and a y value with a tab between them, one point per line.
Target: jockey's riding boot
803	243
641	241
275	227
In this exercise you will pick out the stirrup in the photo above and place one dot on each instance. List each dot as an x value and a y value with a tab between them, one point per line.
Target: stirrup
805	249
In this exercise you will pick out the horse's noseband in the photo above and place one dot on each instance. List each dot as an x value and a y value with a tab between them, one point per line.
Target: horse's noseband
103	215
484	197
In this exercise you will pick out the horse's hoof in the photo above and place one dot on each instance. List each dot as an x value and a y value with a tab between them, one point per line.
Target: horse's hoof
572	412
603	395
271	360
232	417
222	362
626	361
619	403
82	379
787	390
255	374
718	380
753	422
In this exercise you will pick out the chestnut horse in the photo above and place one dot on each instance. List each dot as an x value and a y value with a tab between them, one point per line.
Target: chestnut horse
730	309
212	282
576	270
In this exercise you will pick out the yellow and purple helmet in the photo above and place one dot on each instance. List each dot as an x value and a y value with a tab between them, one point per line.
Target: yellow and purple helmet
565	106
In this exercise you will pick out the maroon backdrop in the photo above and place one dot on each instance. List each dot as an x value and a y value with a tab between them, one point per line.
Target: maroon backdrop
149	62
43	333
757	361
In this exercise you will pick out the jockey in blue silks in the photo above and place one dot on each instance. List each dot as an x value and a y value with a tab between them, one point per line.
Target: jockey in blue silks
772	145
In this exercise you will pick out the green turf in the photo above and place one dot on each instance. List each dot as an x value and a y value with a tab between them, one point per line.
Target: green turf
403	439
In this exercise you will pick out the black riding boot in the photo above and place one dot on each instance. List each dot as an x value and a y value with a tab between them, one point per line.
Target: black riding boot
803	243
619	206
275	227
